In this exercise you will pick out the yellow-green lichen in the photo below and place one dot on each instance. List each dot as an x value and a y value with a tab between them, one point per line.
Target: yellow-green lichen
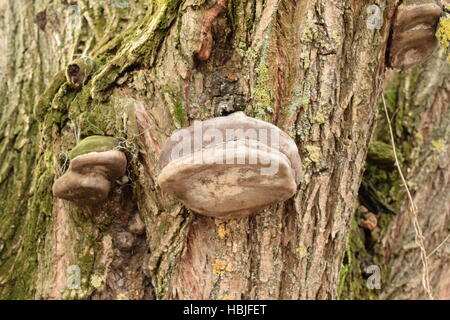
314	153
301	98
309	34
302	250
439	146
222	230
122	296
241	48
321	116
262	98
220	267
96	281
443	34
305	61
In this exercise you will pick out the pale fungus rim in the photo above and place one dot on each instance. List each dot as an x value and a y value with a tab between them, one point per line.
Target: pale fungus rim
90	176
206	186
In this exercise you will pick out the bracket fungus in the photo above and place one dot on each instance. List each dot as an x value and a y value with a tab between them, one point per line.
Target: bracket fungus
230	167
414	34
93	168
78	72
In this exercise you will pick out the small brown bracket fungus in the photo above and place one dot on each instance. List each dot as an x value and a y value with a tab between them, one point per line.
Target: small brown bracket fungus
414	34
369	221
78	72
91	174
230	167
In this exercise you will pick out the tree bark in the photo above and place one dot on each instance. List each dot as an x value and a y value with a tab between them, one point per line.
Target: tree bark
417	100
313	68
426	98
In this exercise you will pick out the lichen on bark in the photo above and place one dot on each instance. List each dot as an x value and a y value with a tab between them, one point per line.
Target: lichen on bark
289	64
411	96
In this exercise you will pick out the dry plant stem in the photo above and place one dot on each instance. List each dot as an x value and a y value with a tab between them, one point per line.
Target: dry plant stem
439	246
415	220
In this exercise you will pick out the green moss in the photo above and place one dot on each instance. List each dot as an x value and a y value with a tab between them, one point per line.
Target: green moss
381	153
381	174
27	198
94	144
352	283
138	48
381	186
177	109
17	275
44	102
180	114
384	186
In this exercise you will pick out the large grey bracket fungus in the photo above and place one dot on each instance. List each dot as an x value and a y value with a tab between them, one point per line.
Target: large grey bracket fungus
93	169
414	37
230	167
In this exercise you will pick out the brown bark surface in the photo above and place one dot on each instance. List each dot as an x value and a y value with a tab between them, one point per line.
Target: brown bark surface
428	174
313	68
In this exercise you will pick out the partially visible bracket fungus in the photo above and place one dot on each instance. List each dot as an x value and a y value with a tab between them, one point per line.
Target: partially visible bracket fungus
94	144
93	168
230	167
413	39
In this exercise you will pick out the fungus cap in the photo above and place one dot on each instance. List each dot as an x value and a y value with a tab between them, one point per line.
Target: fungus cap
89	177
82	189
234	177
234	122
111	163
94	144
414	39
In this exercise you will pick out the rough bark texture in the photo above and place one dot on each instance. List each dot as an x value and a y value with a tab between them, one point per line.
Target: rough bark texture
313	68
425	92
418	106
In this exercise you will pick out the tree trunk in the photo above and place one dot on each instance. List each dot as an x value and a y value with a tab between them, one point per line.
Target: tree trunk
313	68
423	139
418	105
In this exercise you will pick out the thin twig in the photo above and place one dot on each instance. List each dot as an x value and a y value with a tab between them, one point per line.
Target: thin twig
439	246
418	230
76	128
